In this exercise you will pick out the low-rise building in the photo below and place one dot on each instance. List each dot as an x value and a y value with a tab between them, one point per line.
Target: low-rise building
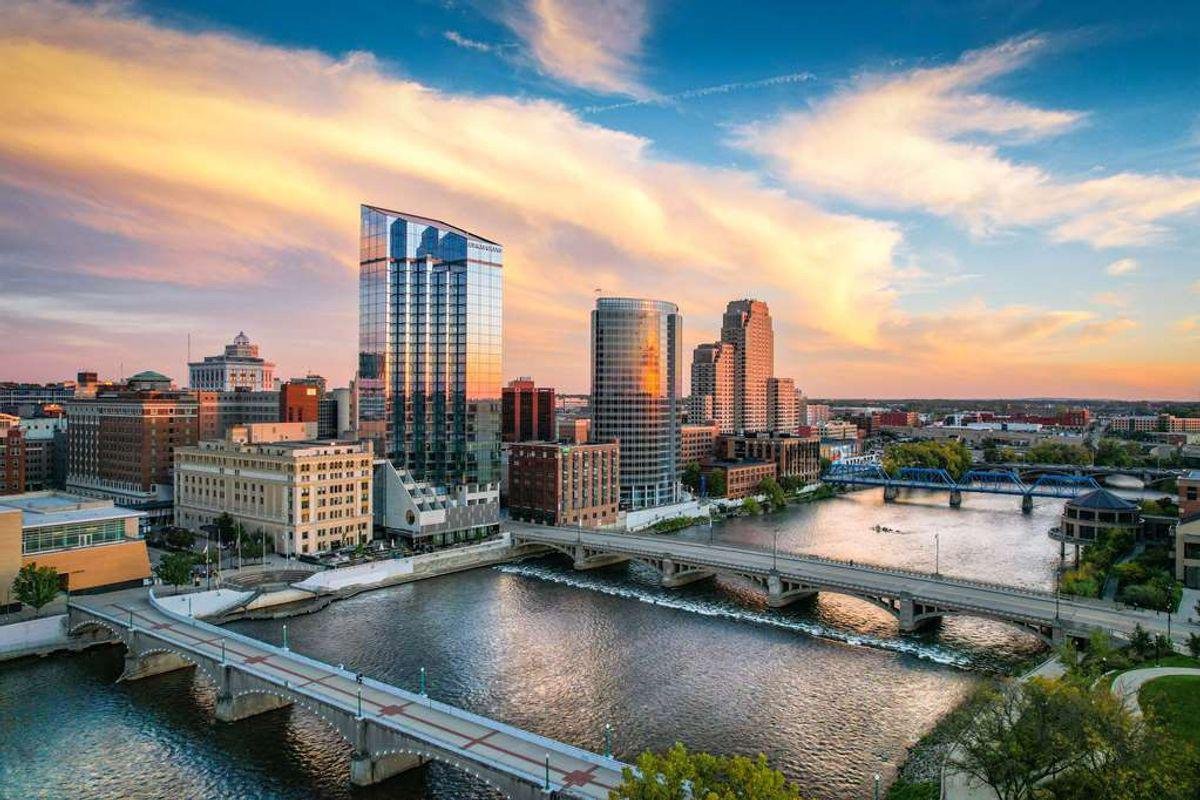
429	516
1085	518
1189	493
306	496
1187	550
217	412
793	456
741	477
91	543
565	484
816	413
697	443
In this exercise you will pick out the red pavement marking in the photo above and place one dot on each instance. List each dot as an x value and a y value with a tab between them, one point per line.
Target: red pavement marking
388	711
481	740
158	626
579	777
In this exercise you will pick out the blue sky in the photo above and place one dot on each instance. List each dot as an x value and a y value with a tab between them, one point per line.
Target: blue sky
989	198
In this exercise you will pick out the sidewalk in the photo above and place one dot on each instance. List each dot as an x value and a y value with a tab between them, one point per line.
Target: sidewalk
1127	685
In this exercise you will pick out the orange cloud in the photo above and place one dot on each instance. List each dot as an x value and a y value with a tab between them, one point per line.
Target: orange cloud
206	161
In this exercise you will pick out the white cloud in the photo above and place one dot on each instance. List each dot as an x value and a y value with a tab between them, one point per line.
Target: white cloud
467	43
594	44
929	139
1122	266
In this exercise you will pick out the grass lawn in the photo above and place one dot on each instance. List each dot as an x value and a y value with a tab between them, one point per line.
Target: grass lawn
1175	700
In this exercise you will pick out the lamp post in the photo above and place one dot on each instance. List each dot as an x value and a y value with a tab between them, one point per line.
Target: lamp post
937	558
547	772
876	786
1057	581
775	550
285	644
423	682
607	740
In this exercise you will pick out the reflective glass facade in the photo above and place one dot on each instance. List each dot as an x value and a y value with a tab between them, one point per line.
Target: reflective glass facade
429	346
636	352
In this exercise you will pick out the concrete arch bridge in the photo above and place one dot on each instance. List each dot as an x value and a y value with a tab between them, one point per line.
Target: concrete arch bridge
391	730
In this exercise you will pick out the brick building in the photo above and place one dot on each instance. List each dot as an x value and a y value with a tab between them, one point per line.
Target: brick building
697	443
741	477
562	484
793	456
527	412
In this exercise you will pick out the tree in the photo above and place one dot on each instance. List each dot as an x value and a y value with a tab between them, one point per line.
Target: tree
716	483
691	477
180	538
1193	644
1140	641
1115	453
682	775
175	568
1048	452
751	506
826	464
1163	644
1023	736
36	586
954	457
774	492
225	525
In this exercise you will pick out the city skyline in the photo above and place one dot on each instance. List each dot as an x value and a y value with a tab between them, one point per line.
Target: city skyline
978	210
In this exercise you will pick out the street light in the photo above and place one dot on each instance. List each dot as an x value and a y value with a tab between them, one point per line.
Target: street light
876	786
937	568
775	550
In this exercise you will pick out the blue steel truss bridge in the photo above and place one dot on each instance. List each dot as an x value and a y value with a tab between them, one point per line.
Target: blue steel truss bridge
1053	485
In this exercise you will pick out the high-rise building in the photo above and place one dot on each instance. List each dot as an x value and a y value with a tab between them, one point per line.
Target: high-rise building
429	348
527	412
217	412
712	385
239	367
781	405
747	326
121	446
636	350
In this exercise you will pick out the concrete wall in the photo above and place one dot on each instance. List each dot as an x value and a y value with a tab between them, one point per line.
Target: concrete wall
10	551
33	636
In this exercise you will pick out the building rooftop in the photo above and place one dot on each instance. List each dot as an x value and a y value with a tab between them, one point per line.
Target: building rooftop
149	375
1193	475
1103	500
430	221
41	509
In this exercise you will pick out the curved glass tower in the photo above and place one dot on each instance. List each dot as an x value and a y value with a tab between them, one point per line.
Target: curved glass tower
636	351
429	347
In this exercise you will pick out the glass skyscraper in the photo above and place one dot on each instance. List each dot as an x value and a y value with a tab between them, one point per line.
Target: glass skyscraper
429	347
636	352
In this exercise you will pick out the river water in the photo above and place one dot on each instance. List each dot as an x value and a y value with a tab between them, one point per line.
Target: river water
828	690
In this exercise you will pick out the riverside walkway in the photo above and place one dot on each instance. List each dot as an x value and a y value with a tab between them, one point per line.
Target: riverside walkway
914	598
390	729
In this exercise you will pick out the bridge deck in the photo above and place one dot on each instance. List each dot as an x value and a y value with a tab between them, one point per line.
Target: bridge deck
1027	606
520	753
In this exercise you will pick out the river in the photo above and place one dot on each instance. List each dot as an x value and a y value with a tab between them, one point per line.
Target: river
828	690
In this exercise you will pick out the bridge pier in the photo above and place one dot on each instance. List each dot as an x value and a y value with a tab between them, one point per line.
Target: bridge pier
590	559
368	768
890	493
234	707
675	575
781	593
139	664
1026	504
955	498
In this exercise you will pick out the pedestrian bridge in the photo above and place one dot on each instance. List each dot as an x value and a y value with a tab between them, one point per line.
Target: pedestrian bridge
391	730
981	481
913	598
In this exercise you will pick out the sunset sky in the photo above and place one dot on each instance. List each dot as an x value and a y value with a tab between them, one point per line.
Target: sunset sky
935	198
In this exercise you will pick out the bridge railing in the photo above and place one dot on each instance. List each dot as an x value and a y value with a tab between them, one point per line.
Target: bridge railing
550	745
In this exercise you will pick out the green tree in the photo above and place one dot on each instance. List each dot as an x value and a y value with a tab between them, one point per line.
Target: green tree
774	492
826	463
691	477
1115	453
1193	644
1024	736
180	538
36	586
225	525
751	506
1163	645
175	568
682	775
1140	641
954	457
1048	452
715	483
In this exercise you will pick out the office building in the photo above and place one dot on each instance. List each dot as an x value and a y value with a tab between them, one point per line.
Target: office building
527	412
741	477
12	455
793	456
635	354
429	347
217	412
239	367
817	413
574	431
427	515
92	544
713	372
299	402
747	326
696	444
305	495
781	405
121	446
564	484
28	399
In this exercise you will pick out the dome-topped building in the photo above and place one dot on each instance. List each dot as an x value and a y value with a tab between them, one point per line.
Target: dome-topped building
1087	517
239	367
149	380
